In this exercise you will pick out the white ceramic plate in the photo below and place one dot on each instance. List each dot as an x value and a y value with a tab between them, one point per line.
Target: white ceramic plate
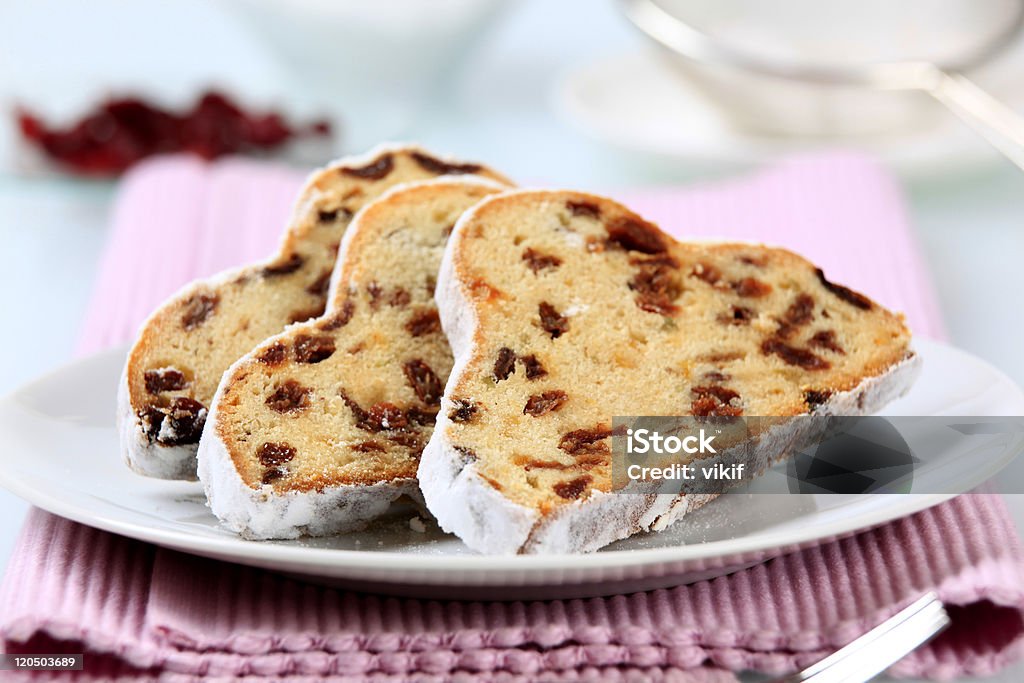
638	103
60	452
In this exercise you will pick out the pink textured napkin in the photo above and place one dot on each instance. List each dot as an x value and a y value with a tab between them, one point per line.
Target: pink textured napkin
179	218
139	610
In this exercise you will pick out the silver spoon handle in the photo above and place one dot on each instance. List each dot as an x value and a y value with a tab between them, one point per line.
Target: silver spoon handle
992	119
879	648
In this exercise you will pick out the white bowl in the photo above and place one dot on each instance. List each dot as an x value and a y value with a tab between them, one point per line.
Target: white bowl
375	61
830	32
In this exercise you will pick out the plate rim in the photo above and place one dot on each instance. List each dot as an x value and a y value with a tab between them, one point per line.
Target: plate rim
429	566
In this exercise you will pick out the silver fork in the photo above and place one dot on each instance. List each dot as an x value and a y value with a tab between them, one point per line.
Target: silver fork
881	647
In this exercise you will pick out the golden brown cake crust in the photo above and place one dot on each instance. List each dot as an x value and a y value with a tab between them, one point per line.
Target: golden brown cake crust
565	309
175	365
345	402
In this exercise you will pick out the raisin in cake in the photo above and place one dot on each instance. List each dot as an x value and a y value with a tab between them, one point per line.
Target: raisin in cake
183	349
565	309
321	427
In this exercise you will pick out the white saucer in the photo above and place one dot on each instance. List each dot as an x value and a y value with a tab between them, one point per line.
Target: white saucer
60	452
636	102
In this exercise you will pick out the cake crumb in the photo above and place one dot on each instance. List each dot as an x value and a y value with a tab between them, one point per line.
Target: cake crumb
417	525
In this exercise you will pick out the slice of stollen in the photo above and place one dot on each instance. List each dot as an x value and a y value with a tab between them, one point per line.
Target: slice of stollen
320	428
565	309
186	345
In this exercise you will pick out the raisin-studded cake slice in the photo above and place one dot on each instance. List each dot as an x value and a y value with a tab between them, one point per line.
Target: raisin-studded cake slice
186	345
566	309
320	427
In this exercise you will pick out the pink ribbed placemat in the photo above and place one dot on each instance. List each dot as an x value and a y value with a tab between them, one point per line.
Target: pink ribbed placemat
179	218
135	608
